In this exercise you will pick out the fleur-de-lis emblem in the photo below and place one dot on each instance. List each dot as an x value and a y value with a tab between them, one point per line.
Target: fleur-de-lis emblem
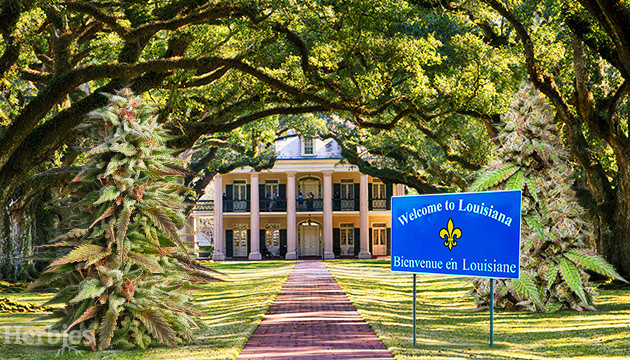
450	234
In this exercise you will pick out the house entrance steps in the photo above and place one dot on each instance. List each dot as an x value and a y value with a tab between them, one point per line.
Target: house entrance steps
312	318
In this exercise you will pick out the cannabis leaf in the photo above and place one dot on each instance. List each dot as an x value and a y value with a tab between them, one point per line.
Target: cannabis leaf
81	253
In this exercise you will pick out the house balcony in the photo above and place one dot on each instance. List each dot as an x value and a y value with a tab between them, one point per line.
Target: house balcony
231	205
345	204
280	205
272	205
303	205
378	203
204	206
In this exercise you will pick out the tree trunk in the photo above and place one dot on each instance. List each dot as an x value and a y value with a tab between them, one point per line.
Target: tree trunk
17	236
612	223
616	239
5	243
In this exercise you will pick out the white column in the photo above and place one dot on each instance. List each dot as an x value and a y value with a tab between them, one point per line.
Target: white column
364	219
291	229
191	232
328	220
219	235
255	219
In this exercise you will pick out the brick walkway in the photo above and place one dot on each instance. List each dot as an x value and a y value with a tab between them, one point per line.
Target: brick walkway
311	318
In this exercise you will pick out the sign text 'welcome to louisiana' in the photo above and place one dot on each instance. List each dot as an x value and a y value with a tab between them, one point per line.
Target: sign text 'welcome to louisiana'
466	234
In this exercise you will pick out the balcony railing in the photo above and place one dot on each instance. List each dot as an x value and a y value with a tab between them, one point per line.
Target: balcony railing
204	205
230	205
345	204
309	205
379	204
271	205
280	205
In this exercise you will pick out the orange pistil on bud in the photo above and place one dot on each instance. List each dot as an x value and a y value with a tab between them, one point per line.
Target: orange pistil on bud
128	289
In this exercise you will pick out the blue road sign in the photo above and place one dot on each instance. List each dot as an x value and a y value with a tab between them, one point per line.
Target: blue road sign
465	234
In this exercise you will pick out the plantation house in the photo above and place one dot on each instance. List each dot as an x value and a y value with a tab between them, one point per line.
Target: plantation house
307	205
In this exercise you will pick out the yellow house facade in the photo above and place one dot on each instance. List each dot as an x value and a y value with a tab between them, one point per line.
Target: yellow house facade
307	205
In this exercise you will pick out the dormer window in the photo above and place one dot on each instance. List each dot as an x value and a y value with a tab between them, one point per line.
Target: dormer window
307	146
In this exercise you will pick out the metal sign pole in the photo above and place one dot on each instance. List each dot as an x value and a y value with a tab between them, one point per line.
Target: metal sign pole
491	311
414	310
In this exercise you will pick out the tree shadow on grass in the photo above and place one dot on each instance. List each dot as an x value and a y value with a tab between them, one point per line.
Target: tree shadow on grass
450	327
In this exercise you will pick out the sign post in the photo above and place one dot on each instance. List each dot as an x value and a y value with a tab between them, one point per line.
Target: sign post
491	311
462	234
414	310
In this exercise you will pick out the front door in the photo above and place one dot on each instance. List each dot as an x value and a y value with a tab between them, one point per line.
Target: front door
379	239
309	240
272	238
346	239
347	194
310	190
379	197
240	241
311	186
240	196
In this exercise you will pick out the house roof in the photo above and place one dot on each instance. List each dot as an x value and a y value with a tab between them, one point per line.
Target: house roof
292	148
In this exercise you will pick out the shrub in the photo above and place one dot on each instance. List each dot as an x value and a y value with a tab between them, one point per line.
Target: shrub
206	251
125	277
553	239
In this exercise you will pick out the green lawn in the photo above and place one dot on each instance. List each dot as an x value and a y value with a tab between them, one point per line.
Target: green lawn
449	328
233	309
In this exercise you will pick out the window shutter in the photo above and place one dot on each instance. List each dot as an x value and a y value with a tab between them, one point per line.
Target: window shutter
336	202
249	203
370	202
370	240
282	190
337	242
262	205
389	241
263	243
389	191
357	241
357	196
249	241
229	194
229	243
283	242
